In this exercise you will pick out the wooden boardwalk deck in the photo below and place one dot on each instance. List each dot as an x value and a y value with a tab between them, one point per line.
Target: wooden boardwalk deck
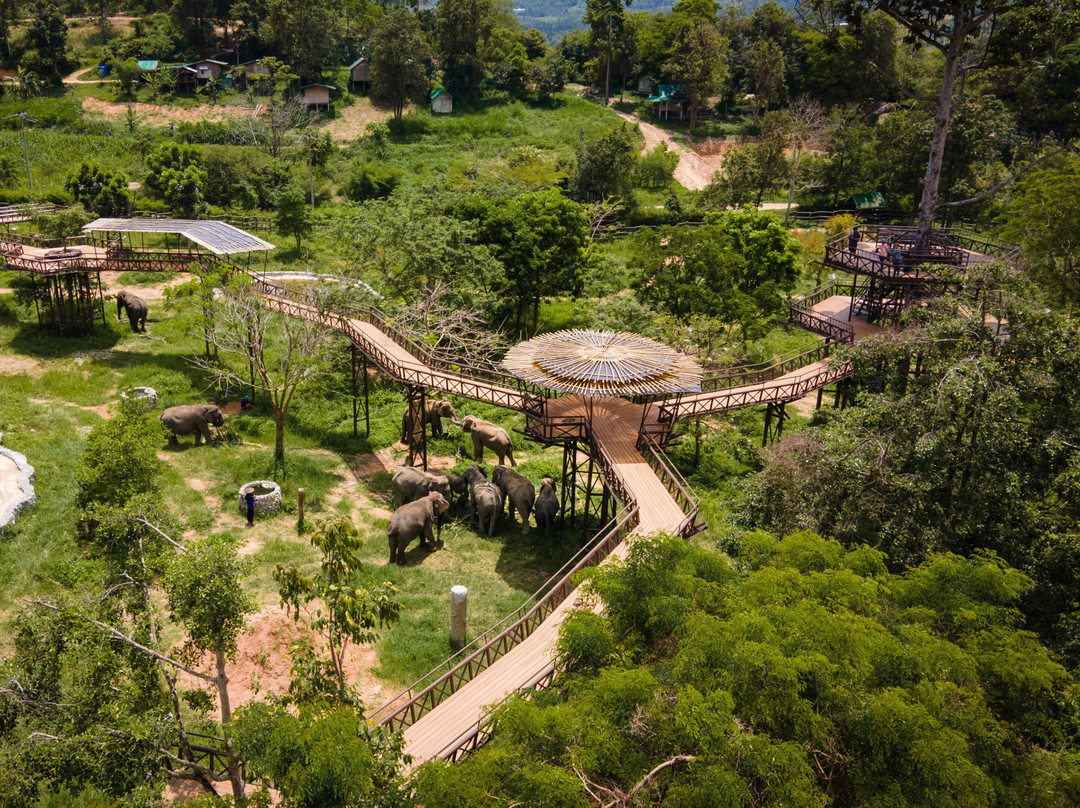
615	425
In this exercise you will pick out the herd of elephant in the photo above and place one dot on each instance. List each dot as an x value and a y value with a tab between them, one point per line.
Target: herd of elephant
423	497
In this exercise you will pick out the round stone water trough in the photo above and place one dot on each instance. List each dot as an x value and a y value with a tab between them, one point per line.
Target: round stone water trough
267	496
147	396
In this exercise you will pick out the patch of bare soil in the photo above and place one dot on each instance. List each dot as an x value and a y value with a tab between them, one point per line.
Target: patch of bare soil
157	114
100	409
17	365
694	170
115	280
351	122
806	405
262	663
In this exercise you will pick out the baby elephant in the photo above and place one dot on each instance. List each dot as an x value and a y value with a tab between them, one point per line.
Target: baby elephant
411	484
547	505
486	498
487	435
519	492
415	519
191	418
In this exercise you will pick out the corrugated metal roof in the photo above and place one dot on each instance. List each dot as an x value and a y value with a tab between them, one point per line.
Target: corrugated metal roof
869	199
147	64
666	92
218	237
358	61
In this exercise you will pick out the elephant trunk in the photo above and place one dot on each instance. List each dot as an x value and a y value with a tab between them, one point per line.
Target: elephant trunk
119	307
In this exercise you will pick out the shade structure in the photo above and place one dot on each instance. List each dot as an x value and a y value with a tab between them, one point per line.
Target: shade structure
603	363
218	237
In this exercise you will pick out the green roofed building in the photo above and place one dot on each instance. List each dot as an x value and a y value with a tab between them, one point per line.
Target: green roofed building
147	65
868	199
668	99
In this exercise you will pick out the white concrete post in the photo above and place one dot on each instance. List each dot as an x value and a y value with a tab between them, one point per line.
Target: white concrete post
459	607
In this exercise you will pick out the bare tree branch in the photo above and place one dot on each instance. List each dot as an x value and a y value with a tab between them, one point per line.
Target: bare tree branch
998	186
119	635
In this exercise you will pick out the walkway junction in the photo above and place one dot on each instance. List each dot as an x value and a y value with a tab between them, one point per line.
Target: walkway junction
609	400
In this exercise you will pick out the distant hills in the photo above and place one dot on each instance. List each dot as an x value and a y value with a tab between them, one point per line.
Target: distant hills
556	17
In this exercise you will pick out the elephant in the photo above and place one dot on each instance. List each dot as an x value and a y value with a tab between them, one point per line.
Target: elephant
519	492
487	434
191	418
486	498
415	519
547	505
458	486
412	484
434	412
136	310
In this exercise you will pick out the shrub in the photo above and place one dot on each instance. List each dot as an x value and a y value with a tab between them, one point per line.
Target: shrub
835	225
371	181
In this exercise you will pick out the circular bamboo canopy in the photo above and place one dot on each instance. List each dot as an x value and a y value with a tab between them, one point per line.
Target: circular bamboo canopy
603	363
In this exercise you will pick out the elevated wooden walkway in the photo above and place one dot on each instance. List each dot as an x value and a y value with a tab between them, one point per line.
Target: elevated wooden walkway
443	715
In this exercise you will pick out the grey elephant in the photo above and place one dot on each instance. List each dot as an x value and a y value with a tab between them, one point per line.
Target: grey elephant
486	499
191	419
415	519
434	412
412	484
136	310
547	505
520	494
487	435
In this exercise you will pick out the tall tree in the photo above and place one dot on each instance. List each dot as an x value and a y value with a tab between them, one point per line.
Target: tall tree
461	26
399	55
271	352
954	28
699	56
305	33
605	20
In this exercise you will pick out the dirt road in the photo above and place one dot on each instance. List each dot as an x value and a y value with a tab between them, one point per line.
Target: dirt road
694	170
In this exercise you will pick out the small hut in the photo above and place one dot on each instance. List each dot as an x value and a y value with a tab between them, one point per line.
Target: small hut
645	85
442	103
360	74
186	77
315	96
668	99
207	69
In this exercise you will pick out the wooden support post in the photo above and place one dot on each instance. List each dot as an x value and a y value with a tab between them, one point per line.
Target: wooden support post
367	403
300	494
820	392
568	495
355	403
417	437
588	496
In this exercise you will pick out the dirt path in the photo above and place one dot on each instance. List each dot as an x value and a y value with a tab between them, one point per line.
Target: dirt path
73	78
694	171
351	122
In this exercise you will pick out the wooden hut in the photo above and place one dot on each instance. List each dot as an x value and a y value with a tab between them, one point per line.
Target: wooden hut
360	74
206	69
442	103
315	96
186	77
668	100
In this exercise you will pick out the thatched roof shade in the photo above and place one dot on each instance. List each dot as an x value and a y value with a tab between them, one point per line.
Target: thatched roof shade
603	363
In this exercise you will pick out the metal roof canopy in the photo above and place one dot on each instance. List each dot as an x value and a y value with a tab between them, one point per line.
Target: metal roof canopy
218	237
603	363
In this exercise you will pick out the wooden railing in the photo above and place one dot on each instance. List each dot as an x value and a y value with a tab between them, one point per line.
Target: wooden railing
676	485
411	704
487	384
207	751
784	364
479	733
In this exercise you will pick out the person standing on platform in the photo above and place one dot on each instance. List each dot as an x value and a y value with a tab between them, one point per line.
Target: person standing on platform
853	240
